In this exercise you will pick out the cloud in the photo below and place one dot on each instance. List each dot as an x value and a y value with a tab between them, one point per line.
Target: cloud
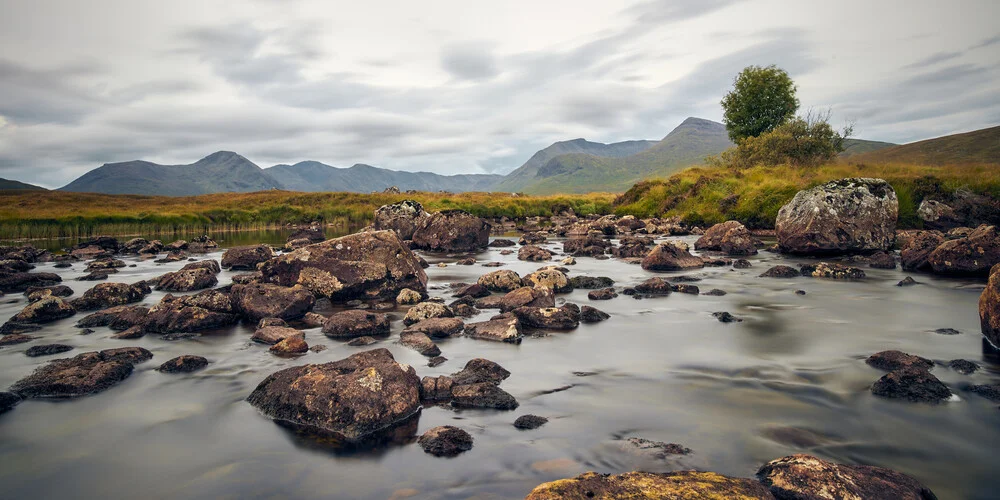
469	61
938	58
671	11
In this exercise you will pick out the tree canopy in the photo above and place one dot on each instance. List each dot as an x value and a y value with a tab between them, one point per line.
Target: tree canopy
762	99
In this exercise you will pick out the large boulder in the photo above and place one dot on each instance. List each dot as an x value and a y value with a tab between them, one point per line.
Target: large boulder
351	398
246	257
106	295
974	254
404	218
566	317
844	216
84	374
452	231
730	237
204	310
917	247
262	300
369	265
989	308
194	276
672	485
670	256
45	310
19	282
804	477
356	323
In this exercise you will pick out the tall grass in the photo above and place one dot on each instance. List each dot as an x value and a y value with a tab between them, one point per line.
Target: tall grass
56	214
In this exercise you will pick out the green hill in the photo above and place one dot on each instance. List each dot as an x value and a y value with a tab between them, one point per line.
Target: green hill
977	147
12	185
526	174
860	146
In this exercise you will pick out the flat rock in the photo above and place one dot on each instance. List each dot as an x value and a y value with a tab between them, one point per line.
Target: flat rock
507	329
47	350
260	300
84	374
356	323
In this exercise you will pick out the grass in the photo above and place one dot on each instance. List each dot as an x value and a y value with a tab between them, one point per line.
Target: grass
708	195
56	214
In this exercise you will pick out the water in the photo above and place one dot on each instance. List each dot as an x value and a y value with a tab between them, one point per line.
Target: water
225	239
663	369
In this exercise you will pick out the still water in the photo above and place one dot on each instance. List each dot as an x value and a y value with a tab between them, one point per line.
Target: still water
663	369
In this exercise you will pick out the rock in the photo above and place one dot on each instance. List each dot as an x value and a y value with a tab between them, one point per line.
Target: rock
353	398
685	288
438	327
654	449
191	313
45	310
445	441
97	275
290	345
474	290
436	389
105	264
963	366
273	334
35	293
566	317
14	339
605	294
117	318
532	253
19	282
654	286
670	257
730	237
530	422
427	310
491	302
183	364
527	297
937	215
591	282
507	329
804	477
312	234
725	317
832	271
568	261
451	231
972	255
503	280
586	247
246	278
780	272
194	276
246	257
500	243
356	323
362	341
715	292
640	485
844	216
482	395
370	266
989	308
915	384
260	300
407	296
47	350
894	360
741	264
478	371
106	295
549	278
947	331
86	373
8	401
131	333
592	315
988	391
404	218
419	342
882	260
436	360
907	281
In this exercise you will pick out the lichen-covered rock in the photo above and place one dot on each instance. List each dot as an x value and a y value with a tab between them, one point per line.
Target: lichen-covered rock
974	254
427	310
37	292
647	485
586	247
654	286
356	323
273	334
246	257
804	477
436	388
730	237
916	249
527	297
506	329
502	280
194	276
191	313
843	216
478	371
106	295
566	317
84	374
670	257
404	218
116	318
549	278
482	395
407	297
260	300
290	345
452	231
368	266
832	271
591	282
603	294
989	308
183	364
419	342
353	398
47	350
438	327
45	310
532	253
445	441
529	422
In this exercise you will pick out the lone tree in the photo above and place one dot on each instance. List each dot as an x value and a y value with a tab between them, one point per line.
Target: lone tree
761	100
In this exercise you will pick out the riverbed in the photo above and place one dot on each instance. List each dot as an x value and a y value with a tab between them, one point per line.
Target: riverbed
790	378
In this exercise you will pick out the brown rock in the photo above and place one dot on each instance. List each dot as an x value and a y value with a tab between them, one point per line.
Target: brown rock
803	477
290	345
45	310
527	297
261	300
274	334
641	485
566	317
445	441
452	231
974	254
502	280
246	257
183	364
106	295
506	329
356	323
84	374
532	253
404	218
438	327
419	342
670	257
729	237
917	248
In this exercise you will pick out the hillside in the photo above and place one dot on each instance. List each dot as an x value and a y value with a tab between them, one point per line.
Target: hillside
686	145
219	172
316	176
977	147
12	185
860	146
525	175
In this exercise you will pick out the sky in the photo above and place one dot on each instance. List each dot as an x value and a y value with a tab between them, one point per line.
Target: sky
460	86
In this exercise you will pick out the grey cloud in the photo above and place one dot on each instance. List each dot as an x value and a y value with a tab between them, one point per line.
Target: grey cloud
32	95
989	42
469	61
938	58
234	52
668	11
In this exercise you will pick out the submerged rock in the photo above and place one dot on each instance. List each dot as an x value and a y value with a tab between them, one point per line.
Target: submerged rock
963	366
654	449
117	318
353	398
894	360
804	477
591	282
8	400
482	395
84	374
273	334
445	441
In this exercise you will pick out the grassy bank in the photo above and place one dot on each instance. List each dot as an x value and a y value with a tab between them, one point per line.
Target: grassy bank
55	214
708	195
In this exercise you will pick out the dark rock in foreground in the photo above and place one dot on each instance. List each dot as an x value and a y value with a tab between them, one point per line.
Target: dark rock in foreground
974	254
803	477
183	364
8	400
87	373
445	441
530	422
647	485
913	384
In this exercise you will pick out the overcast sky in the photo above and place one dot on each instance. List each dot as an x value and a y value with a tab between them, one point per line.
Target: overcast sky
459	86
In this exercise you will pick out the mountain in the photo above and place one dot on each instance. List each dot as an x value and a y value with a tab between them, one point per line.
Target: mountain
219	172
316	176
977	147
525	175
12	185
859	146
686	145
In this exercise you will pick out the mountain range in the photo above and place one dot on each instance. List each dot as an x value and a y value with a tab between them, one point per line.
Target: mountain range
574	166
12	185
